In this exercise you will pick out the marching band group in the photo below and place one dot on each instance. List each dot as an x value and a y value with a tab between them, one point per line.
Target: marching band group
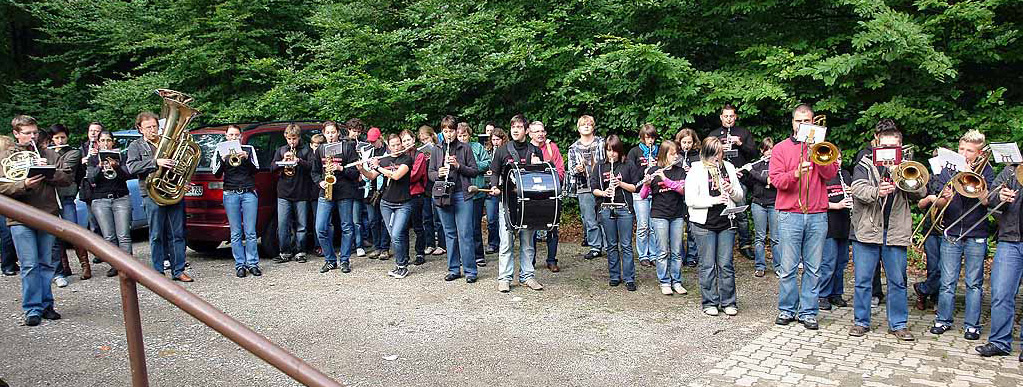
682	199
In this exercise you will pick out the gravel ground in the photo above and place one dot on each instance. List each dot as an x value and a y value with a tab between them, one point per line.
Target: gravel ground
578	331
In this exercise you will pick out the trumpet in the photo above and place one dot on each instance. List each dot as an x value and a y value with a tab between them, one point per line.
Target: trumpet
821	153
234	159
108	171
289	156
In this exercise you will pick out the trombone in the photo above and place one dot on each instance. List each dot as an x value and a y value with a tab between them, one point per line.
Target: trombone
1019	179
966	184
821	153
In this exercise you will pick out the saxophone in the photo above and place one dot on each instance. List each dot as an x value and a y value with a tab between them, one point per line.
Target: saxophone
167	185
329	178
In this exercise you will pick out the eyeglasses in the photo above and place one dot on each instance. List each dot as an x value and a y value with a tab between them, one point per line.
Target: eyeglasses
803	121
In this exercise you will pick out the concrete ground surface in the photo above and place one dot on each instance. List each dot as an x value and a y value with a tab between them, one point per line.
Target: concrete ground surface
366	329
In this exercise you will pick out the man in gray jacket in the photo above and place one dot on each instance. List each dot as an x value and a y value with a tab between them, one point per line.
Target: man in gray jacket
166	223
883	227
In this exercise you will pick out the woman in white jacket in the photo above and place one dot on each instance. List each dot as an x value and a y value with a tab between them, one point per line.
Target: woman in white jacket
711	188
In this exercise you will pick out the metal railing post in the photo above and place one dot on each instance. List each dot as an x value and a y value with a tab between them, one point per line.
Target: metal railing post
133	328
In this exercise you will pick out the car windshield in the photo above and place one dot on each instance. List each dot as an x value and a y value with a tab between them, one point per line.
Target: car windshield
208	146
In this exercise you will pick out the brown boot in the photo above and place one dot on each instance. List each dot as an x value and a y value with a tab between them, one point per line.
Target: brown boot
86	268
65	265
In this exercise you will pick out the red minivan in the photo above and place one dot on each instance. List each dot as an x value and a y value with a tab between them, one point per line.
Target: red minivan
205	219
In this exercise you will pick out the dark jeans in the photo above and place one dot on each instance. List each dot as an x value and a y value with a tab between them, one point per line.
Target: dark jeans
932	249
377	229
431	224
417	223
493	234
477	229
552	239
8	257
167	235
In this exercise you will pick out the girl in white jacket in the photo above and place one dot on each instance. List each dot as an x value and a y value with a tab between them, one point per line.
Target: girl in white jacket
711	188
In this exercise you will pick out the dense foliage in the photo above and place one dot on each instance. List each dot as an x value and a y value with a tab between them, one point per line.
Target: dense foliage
936	67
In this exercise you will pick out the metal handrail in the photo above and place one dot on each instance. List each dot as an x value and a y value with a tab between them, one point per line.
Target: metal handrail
132	271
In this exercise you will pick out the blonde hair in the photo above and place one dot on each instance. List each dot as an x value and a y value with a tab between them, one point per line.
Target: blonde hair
586	119
22	120
973	136
6	142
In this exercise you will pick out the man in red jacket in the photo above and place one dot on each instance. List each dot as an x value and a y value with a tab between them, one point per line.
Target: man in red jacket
802	226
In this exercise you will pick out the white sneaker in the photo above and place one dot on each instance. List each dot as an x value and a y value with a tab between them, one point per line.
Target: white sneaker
666	290
360	252
60	281
677	287
710	311
731	311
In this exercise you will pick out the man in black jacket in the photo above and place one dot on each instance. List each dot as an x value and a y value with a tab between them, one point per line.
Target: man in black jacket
739	150
294	192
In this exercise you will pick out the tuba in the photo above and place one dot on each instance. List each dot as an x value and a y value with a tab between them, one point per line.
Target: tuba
167	186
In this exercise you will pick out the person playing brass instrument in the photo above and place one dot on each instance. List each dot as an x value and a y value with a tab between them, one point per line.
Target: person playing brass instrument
802	225
111	204
295	192
1007	267
713	186
33	246
240	203
882	223
962	244
166	223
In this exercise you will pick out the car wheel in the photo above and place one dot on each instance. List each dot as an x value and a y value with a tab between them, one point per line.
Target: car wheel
268	243
204	247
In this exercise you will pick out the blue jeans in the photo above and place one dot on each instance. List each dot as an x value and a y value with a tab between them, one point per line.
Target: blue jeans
692	251
166	235
717	275
493	235
477	230
377	229
241	207
764	220
37	268
526	253
429	220
975	250
865	259
801	240
396	217
68	212
1006	271
932	248
456	220
646	243
417	223
669	266
323	232
285	209
588	211
8	258
618	230
359	226
552	240
114	219
836	258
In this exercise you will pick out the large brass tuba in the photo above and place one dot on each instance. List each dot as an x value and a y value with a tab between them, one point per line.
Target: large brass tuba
166	186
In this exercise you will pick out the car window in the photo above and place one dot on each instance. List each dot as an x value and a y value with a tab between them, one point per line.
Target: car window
208	146
122	142
266	143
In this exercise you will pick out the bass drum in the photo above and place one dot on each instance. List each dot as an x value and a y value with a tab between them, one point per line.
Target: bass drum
532	196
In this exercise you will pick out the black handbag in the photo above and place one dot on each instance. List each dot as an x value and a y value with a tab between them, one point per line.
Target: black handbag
442	193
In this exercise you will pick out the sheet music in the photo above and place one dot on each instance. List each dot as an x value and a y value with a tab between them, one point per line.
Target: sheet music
224	148
1007	152
332	149
887	155
804	132
249	149
734	210
948	159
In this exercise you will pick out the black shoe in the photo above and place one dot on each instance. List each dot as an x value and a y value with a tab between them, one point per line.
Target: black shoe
33	320
938	329
419	260
824	304
255	271
584	244
747	252
10	272
614	283
346	267
96	260
112	272
328	266
490	250
592	254
990	349
51	314
240	272
690	264
300	258
452	276
971	334
630	286
470	280
282	259
784	320
837	301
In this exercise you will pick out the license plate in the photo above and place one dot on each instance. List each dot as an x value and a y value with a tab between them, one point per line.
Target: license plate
194	190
